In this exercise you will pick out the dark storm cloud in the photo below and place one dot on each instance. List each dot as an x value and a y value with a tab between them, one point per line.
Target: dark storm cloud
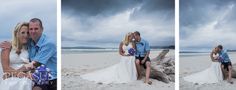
193	12
107	7
205	23
158	5
107	21
155	9
95	7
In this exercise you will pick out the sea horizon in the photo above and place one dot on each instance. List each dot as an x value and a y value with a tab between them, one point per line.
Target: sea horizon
85	49
197	52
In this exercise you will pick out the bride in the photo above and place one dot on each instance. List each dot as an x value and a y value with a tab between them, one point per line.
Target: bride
123	72
213	74
12	69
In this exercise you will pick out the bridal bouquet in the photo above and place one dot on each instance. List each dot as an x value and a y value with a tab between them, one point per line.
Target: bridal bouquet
41	75
131	51
220	59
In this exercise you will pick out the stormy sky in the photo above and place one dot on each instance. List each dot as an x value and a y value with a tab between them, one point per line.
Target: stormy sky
207	23
15	11
104	23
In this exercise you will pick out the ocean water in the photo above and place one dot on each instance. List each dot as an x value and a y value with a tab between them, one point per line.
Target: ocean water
194	52
188	53
80	51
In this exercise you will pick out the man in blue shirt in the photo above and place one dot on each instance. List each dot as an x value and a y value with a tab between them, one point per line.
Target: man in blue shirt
225	62
142	56
42	51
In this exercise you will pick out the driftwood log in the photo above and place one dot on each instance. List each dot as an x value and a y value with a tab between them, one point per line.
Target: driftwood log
234	71
162	68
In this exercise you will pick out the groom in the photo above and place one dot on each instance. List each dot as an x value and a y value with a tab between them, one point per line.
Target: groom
42	50
142	56
225	62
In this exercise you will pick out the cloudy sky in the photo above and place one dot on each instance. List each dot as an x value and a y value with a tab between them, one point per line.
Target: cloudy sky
206	23
14	11
104	23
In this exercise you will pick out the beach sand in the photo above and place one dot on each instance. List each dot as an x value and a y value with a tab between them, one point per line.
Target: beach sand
192	64
74	65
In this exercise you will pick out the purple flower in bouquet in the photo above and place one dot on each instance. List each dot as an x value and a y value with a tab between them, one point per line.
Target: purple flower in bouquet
41	75
220	59
131	51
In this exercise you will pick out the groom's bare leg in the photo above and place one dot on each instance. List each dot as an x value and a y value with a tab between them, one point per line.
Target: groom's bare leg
148	70
223	72
230	74
37	88
138	67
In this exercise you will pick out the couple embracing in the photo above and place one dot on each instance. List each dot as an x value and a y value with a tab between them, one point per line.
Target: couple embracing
220	69
129	67
20	58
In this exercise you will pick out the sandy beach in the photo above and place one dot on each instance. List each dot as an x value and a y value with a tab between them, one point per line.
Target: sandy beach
74	65
190	64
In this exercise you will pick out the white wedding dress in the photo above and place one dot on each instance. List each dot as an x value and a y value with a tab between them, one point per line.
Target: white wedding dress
123	72
213	74
15	83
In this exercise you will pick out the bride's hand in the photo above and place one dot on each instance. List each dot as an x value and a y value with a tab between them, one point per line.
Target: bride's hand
6	75
29	75
29	66
123	55
216	58
128	55
5	45
21	75
143	61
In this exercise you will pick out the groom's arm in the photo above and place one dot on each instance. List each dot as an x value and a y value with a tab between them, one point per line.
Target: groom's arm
145	58
147	55
45	53
147	49
5	45
224	55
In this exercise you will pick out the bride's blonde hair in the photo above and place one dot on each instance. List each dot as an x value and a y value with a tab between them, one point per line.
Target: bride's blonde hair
15	40
126	40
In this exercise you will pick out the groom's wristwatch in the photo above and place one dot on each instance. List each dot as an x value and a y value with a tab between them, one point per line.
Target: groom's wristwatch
36	64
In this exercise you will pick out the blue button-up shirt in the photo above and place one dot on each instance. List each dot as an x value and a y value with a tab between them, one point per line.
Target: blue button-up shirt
44	52
142	47
223	54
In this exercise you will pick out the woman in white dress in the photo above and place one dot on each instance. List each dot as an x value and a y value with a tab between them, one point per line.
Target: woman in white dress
13	72
213	74
123	72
